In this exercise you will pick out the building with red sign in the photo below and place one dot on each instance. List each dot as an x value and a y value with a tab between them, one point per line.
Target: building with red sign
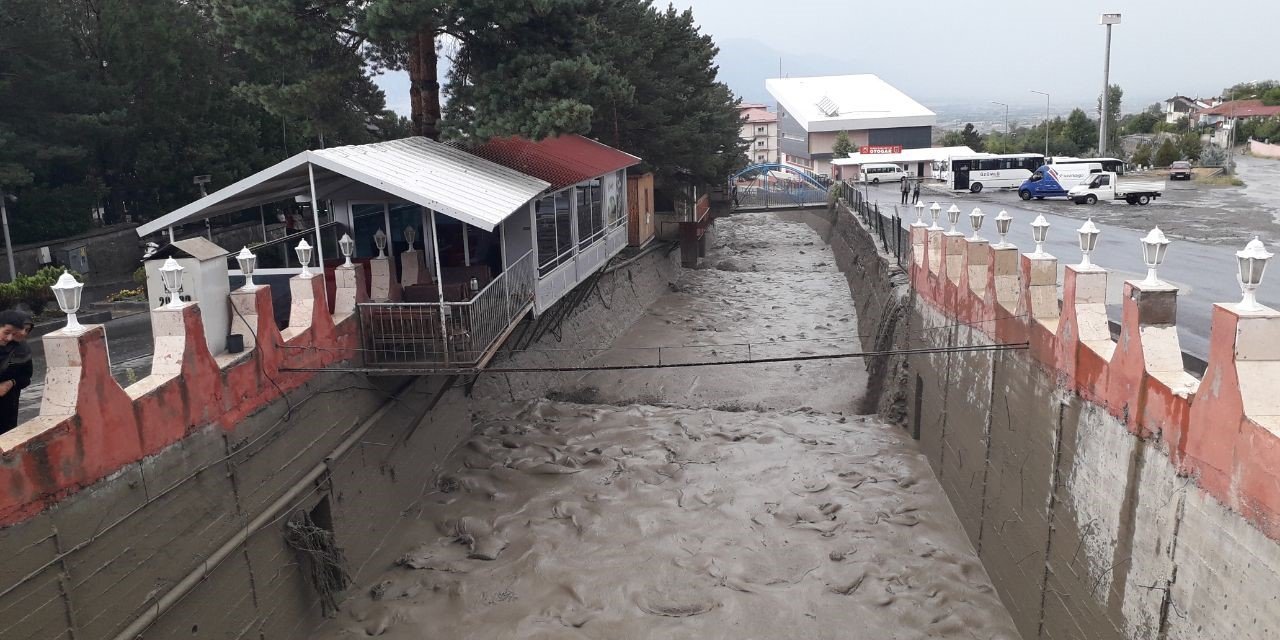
877	117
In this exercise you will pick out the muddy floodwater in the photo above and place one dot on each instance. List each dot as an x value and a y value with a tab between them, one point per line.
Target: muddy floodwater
740	501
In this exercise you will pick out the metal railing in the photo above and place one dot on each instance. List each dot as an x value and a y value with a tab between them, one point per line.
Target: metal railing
448	335
894	238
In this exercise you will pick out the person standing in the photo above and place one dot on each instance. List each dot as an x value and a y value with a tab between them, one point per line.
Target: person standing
915	192
16	367
906	189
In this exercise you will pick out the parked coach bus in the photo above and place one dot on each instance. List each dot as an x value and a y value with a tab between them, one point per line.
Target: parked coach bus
991	171
1114	165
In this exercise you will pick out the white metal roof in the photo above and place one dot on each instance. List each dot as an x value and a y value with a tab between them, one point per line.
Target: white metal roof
927	154
419	170
847	103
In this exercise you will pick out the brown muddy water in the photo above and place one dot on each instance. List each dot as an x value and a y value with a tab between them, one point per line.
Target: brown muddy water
722	502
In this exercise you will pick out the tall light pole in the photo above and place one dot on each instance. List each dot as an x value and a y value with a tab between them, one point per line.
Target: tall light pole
4	219
1006	115
1046	121
1107	20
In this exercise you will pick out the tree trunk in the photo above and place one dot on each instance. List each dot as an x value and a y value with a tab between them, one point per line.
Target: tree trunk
424	88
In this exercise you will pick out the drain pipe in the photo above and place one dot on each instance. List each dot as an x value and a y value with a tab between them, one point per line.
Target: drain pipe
184	586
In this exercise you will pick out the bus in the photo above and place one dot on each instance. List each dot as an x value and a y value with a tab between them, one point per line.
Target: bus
991	171
1114	165
877	173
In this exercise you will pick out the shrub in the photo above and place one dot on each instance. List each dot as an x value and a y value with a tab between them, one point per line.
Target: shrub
32	292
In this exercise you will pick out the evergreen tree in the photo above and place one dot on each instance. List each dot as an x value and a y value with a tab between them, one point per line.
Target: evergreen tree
1167	154
842	147
1080	131
665	104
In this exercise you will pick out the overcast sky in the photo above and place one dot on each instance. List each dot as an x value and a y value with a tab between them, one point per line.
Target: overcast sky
997	49
982	50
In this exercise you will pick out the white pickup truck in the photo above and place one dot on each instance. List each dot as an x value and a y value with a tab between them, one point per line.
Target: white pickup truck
1108	186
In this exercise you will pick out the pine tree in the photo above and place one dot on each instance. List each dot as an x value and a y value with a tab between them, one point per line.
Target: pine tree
842	147
1167	154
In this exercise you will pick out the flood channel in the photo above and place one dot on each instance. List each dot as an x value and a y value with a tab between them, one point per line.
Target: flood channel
739	501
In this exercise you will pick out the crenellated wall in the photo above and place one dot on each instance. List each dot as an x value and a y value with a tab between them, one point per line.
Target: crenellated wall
90	427
1109	492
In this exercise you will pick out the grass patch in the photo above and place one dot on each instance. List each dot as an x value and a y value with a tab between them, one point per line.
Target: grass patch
1220	180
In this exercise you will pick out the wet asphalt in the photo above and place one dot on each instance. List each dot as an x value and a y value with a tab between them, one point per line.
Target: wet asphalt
1200	263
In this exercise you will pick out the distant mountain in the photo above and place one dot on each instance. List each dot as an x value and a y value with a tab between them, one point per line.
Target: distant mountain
745	64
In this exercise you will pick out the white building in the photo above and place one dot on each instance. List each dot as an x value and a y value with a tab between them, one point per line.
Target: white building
876	117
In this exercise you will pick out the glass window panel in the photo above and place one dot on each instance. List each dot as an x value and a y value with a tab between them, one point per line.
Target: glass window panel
545	218
564	229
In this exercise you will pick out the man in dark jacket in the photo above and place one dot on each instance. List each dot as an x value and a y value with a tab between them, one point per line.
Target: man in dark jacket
906	189
16	368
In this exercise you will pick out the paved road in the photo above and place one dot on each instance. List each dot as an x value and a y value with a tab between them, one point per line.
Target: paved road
1204	273
129	344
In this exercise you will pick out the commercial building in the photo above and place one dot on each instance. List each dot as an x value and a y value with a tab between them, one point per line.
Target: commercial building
760	131
875	115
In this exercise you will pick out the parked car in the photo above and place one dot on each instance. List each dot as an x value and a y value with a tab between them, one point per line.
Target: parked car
1180	170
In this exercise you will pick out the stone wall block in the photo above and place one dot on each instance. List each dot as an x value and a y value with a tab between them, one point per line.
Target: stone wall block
1085	346
1148	388
185	387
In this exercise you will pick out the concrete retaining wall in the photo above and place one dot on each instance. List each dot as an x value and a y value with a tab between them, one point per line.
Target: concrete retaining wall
1264	150
1106	496
111	505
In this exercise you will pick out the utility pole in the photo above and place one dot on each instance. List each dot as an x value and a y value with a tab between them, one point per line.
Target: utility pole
1107	20
1046	120
8	246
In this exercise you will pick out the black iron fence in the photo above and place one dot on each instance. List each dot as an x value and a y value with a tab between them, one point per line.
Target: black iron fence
886	224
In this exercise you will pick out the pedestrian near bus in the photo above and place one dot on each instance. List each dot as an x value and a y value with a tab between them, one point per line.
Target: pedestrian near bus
915	192
906	189
16	368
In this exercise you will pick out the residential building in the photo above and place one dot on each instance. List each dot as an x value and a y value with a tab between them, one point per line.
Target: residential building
1223	117
760	131
1180	107
875	115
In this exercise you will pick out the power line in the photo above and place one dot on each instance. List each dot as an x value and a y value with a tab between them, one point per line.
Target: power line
667	365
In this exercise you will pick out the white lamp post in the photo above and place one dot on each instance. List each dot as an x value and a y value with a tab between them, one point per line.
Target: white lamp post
1003	221
934	210
975	220
304	257
347	246
380	241
248	262
1154	246
1088	233
171	277
1252	263
410	234
67	291
953	215
919	215
1039	232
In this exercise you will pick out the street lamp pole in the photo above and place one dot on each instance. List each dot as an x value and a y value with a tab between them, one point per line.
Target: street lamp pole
1107	19
8	246
1046	121
1006	115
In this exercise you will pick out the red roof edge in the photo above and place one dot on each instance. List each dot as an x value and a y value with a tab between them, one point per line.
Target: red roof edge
562	161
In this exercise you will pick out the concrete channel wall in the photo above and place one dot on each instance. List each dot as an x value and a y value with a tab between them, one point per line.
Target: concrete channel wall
183	534
1108	493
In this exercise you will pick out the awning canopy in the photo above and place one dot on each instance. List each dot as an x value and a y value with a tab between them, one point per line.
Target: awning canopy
419	170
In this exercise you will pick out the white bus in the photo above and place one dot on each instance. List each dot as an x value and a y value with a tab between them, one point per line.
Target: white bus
1115	165
991	171
886	172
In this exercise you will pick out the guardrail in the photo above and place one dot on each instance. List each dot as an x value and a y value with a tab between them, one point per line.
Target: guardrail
451	335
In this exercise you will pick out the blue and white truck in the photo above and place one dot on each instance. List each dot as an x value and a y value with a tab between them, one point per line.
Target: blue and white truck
1055	180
